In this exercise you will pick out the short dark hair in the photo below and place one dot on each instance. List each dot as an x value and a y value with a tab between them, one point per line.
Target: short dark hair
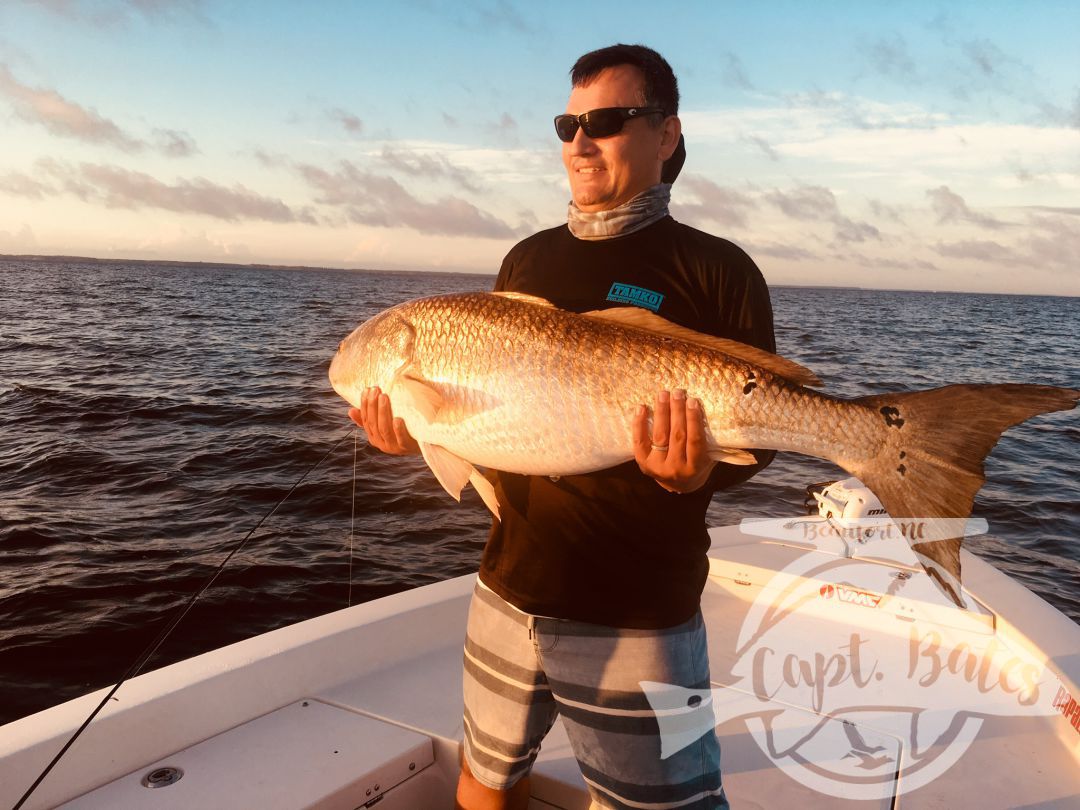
661	87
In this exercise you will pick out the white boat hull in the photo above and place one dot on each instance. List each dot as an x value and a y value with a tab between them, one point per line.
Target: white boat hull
383	685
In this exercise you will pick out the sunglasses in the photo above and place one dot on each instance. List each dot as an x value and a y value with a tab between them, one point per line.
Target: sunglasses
601	123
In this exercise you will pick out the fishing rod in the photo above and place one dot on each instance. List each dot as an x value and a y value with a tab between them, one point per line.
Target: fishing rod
152	648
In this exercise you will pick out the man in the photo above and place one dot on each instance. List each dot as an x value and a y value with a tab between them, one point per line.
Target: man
590	584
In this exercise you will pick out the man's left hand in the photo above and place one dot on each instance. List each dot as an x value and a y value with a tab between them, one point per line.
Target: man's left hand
676	454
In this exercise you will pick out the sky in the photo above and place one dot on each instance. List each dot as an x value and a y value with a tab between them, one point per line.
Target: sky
896	145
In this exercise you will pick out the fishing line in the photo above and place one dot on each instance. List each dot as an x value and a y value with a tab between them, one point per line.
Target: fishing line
352	518
148	653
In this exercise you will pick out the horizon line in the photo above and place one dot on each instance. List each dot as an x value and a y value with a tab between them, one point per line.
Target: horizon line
34	257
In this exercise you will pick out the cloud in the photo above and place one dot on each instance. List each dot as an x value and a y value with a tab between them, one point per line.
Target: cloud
715	203
977	249
114	12
23	185
184	244
779	251
950	207
371	199
1054	244
988	58
116	187
61	116
68	119
849	230
805	203
835	107
507	129
733	73
485	17
885	263
985	67
1063	116
502	14
762	144
816	203
883	211
1053	209
173	143
24	241
1023	174
432	166
1050	242
270	160
528	219
889	57
348	121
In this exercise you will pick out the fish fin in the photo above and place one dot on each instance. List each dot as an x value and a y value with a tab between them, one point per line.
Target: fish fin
420	394
452	471
730	455
639	318
931	462
486	491
528	299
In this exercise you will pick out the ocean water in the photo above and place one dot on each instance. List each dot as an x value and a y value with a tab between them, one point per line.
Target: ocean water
151	414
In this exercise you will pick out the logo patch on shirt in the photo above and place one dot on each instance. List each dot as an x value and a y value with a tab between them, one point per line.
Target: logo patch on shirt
638	296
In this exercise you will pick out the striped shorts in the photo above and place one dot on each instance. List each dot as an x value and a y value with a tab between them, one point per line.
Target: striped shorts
523	671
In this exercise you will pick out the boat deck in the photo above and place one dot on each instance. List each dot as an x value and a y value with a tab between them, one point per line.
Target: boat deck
839	681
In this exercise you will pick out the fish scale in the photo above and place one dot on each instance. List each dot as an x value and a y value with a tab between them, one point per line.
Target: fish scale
510	382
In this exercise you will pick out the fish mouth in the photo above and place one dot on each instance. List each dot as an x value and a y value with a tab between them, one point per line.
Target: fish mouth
336	374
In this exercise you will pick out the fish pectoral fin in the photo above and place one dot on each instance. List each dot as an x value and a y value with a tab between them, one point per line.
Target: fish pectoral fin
638	318
529	299
730	455
424	399
452	471
486	491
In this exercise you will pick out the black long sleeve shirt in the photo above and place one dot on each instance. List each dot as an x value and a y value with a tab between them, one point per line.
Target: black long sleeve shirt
613	547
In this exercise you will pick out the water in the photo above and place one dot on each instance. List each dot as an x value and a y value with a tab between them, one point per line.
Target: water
149	415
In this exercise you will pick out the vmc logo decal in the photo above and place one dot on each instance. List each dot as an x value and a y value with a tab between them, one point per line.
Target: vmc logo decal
850	595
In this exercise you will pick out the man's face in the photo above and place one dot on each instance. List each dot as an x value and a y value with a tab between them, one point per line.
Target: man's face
607	172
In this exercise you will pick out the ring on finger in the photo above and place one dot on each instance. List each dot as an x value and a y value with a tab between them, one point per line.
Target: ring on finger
661	447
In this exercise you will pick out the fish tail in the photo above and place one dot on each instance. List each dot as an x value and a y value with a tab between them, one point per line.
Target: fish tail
930	465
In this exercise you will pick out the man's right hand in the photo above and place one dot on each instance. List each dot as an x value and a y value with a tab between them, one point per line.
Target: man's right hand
383	431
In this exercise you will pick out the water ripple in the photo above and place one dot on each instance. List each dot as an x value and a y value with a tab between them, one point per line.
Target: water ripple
151	415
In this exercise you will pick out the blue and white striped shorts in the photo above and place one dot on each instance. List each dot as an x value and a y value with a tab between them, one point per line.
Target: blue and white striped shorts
522	671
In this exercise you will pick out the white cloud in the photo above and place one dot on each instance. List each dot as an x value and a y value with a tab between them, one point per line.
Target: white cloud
951	207
850	135
366	198
21	241
118	187
715	204
46	107
61	116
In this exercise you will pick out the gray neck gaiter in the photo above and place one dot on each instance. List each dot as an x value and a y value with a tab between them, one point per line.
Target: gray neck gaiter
640	212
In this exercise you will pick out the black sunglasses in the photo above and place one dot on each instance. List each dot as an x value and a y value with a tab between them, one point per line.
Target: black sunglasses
601	123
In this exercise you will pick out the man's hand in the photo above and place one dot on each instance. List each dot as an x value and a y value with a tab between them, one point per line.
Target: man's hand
383	430
676	454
